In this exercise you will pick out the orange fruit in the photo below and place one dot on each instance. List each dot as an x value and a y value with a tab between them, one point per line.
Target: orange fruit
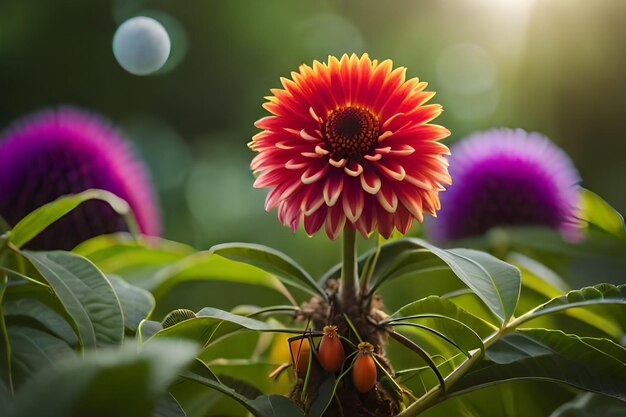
330	352
364	372
300	351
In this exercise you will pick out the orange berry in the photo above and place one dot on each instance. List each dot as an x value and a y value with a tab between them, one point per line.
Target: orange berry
330	352
300	351
364	369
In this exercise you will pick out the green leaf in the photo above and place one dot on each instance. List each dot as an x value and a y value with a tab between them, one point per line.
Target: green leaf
393	256
588	296
438	325
207	266
325	392
591	405
242	387
5	346
511	399
254	370
276	406
147	329
136	303
135	261
84	386
263	406
550	355
32	350
412	261
38	310
167	406
212	324
548	242
35	222
497	283
597	212
272	261
86	294
540	284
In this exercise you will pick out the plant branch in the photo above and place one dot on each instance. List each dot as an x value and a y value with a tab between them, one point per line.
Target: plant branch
436	394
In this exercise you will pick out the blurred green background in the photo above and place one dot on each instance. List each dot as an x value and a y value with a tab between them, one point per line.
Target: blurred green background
553	66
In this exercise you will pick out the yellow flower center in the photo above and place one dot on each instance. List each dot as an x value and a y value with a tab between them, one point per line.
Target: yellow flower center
350	132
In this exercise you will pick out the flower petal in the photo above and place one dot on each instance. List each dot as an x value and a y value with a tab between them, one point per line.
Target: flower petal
354	169
315	221
392	170
314	173
352	202
332	189
387	199
335	220
370	181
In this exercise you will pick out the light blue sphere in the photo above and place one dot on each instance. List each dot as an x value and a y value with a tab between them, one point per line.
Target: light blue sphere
141	45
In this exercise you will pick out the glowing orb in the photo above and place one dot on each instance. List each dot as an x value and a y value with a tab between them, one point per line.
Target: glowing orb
141	45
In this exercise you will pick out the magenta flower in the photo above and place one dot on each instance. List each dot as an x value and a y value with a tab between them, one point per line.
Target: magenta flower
506	177
65	151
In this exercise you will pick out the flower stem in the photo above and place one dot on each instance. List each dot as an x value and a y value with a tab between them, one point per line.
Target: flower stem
348	290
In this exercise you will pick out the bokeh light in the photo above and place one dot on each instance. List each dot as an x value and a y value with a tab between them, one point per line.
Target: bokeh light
141	45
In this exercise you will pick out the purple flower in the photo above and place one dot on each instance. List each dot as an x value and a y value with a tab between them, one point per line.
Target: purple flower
65	151
506	177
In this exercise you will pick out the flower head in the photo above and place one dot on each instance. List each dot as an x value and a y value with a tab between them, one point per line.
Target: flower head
349	144
65	151
506	177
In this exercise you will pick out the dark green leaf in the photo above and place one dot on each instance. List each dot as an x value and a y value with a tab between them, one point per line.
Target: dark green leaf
242	387
588	296
136	303
5	346
497	283
550	355
35	222
32	350
116	381
276	406
446	310
86	294
167	406
591	405
264	406
270	260
325	392
511	399
35	309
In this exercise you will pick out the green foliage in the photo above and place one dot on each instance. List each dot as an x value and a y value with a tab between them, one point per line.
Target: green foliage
598	213
77	332
34	223
271	261
86	295
596	365
111	382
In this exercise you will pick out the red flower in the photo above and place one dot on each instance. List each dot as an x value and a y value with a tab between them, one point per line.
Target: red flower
349	144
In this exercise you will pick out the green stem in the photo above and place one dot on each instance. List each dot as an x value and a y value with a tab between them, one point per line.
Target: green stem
436	394
349	288
5	345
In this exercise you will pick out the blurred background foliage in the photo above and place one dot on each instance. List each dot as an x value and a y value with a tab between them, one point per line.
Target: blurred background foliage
550	66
